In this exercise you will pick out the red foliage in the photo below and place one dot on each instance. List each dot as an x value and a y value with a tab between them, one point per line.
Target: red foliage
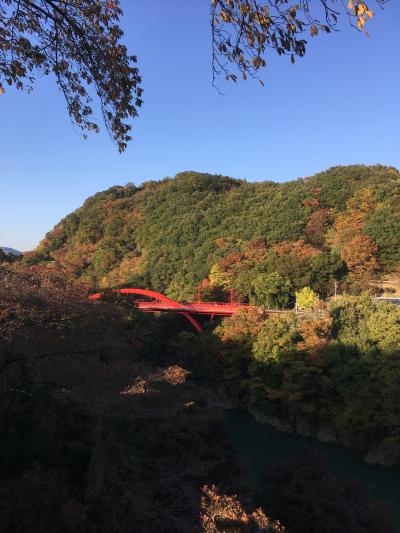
255	251
317	225
297	249
230	260
311	202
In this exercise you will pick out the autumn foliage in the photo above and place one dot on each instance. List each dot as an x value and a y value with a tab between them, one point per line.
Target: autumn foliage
225	513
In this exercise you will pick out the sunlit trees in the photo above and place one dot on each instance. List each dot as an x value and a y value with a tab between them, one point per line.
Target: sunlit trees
350	223
349	320
277	336
178	232
336	367
306	298
360	255
272	290
315	334
242	327
223	512
384	327
383	225
327	268
293	260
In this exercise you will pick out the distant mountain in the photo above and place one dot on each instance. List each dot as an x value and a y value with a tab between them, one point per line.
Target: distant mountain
11	251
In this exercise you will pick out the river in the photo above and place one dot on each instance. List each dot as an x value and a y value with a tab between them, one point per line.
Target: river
259	444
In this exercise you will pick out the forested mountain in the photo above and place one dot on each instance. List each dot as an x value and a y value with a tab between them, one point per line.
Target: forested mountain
111	416
342	224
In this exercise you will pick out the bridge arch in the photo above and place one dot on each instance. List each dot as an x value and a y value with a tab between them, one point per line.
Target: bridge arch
156	296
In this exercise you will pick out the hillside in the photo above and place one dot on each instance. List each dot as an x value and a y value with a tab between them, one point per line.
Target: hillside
342	224
8	250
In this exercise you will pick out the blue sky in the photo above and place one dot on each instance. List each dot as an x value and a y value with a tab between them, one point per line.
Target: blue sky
338	105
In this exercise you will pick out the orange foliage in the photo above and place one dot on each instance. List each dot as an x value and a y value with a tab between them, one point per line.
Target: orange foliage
311	202
346	227
246	323
351	222
363	200
360	255
255	251
220	513
315	334
298	249
75	258
230	260
220	243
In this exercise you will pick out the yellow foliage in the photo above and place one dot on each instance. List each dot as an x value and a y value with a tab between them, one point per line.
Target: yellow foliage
361	11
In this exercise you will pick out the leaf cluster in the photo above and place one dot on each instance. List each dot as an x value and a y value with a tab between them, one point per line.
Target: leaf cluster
79	43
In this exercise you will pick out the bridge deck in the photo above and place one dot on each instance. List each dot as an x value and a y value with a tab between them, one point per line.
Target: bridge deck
198	308
162	303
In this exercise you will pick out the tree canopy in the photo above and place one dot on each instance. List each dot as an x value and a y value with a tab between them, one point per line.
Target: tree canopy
244	30
79	42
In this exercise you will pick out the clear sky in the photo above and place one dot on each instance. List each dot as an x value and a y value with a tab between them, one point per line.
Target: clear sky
338	105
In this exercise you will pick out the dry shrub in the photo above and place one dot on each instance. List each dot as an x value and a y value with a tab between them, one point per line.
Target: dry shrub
223	513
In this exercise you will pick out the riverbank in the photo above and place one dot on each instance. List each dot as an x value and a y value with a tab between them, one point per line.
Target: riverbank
259	444
380	454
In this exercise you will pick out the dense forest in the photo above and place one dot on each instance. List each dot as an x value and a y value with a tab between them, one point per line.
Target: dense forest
111	419
108	423
172	235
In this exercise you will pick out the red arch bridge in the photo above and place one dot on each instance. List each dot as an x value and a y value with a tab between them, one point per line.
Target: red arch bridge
189	310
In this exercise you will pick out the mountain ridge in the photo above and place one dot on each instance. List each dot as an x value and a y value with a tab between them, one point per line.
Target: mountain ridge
8	250
169	234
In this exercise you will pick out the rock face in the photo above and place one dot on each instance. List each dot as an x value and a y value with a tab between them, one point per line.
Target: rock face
387	453
274	421
326	434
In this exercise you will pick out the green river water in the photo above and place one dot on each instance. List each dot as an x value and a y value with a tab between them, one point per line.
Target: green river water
259	444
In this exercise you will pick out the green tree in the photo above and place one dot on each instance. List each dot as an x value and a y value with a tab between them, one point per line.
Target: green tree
272	290
350	316
383	225
277	336
327	267
384	327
